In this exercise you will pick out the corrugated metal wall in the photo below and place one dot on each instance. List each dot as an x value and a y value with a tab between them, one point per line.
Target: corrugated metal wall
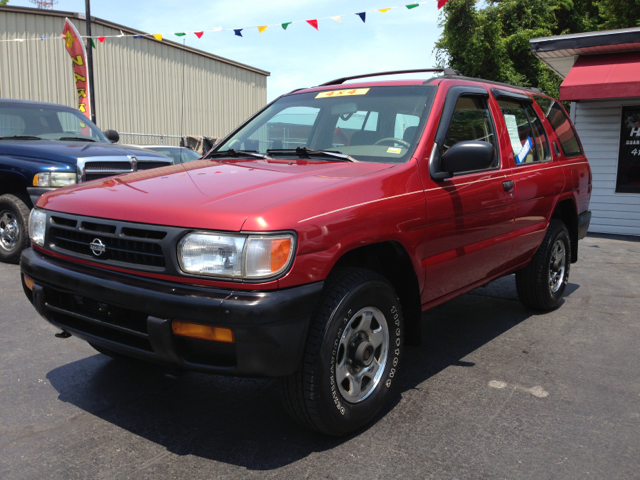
598	125
138	82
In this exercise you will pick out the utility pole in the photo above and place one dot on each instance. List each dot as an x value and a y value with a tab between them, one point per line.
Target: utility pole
92	99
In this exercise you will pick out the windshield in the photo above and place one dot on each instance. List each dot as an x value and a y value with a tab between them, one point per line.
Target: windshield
376	124
46	122
177	154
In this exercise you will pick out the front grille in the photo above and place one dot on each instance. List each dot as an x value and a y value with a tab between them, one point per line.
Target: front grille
123	250
107	167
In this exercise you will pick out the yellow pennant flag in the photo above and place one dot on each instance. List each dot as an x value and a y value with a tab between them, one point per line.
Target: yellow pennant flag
384	10
263	28
157	36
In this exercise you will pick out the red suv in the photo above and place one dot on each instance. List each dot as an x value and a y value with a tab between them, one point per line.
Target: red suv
308	243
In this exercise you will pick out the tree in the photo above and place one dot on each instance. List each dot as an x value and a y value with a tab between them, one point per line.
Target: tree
3	2
492	41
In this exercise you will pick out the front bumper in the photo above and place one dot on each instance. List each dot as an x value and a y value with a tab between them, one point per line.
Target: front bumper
132	315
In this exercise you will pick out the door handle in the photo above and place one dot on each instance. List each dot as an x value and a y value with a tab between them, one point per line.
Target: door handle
508	185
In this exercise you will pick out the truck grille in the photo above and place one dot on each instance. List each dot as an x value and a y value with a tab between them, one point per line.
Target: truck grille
108	241
101	169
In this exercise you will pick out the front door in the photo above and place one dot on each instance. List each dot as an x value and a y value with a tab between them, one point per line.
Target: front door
470	216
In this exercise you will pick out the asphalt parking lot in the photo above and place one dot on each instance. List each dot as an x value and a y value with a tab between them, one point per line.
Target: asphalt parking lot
494	392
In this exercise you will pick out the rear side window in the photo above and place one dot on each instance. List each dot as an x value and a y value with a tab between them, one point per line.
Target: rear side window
528	139
471	121
562	126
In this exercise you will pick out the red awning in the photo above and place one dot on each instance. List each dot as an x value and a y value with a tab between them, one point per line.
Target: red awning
614	75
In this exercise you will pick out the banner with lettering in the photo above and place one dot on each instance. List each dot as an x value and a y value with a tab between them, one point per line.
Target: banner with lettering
75	46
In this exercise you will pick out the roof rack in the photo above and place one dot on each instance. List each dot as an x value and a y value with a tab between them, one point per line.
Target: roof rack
338	81
459	76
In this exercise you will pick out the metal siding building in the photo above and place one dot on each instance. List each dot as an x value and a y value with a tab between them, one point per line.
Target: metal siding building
141	85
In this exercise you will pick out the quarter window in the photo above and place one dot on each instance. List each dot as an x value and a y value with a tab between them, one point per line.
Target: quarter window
527	136
561	125
471	121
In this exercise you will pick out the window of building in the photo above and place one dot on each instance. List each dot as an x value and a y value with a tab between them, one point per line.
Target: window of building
628	179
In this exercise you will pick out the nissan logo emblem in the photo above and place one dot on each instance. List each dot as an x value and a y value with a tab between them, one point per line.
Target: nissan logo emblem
97	247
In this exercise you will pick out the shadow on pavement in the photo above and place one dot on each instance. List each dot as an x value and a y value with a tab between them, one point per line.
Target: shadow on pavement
241	421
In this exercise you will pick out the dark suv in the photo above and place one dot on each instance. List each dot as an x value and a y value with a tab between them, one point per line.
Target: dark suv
308	243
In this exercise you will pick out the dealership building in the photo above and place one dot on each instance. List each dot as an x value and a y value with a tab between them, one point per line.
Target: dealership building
601	72
142	85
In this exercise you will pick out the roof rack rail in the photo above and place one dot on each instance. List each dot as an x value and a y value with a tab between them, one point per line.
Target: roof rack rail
338	81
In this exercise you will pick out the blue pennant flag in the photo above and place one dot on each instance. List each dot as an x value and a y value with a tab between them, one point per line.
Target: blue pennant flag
238	32
363	16
137	36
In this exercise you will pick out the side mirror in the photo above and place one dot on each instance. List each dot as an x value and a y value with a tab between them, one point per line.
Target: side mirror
112	136
467	156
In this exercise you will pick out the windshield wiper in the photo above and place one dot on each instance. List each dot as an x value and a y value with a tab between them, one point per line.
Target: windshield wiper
20	137
232	152
304	152
80	139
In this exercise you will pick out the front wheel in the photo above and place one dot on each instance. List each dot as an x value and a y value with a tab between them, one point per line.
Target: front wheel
14	234
351	355
542	283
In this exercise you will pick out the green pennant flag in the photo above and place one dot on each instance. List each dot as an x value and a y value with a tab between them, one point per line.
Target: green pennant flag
286	24
179	34
413	5
92	44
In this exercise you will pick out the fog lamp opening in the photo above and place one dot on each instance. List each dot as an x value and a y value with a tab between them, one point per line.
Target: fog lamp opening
203	332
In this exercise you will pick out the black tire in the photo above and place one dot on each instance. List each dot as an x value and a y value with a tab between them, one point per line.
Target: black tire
533	283
14	227
336	343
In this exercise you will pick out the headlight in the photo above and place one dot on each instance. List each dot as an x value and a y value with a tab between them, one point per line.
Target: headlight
54	179
37	226
235	256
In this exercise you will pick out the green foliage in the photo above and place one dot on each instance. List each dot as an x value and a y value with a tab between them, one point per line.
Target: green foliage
4	2
492	40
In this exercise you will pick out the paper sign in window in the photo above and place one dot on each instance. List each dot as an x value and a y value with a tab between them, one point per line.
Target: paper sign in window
524	151
512	128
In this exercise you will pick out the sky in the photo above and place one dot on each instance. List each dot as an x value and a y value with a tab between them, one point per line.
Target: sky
399	39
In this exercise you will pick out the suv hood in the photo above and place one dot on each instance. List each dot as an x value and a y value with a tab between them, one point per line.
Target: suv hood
206	194
69	152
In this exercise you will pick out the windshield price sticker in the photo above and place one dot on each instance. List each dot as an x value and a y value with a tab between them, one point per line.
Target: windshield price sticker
343	93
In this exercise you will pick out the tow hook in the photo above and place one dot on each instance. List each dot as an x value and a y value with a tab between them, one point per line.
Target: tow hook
63	334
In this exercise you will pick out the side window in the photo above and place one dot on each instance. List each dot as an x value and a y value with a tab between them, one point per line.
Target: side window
527	136
471	121
561	125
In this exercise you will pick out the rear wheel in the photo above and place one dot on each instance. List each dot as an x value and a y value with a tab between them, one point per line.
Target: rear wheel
351	356
542	283
14	234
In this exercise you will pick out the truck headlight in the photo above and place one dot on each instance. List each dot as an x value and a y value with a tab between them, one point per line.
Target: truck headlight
54	179
235	256
37	226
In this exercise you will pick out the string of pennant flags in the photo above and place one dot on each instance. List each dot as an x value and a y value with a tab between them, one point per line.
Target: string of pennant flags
238	31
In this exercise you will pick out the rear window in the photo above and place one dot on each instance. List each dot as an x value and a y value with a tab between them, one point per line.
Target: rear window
562	126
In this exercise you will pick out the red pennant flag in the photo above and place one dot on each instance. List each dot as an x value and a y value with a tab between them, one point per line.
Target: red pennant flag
313	23
442	3
101	39
199	34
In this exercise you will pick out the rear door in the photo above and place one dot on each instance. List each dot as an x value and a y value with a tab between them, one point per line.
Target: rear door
470	216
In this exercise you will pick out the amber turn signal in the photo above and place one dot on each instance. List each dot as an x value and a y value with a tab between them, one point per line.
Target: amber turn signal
28	282
280	250
203	332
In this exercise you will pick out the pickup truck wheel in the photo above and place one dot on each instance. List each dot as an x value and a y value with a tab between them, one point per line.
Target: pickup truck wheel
542	283
351	356
14	234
